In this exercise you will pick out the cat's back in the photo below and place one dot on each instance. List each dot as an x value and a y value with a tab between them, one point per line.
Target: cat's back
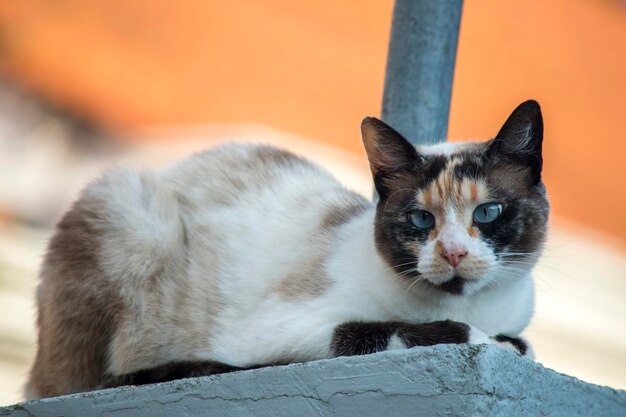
257	197
230	174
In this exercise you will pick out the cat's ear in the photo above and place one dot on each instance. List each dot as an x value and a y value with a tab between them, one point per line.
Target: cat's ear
387	150
520	138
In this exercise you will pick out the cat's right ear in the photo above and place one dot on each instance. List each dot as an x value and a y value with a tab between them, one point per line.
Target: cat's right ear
520	140
387	150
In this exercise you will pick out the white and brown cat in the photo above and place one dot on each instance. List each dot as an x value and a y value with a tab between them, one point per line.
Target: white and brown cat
248	255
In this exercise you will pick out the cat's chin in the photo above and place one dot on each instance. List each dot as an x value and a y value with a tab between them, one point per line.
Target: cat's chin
455	285
459	286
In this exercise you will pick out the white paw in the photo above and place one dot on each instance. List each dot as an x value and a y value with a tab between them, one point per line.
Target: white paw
478	337
528	351
507	346
395	343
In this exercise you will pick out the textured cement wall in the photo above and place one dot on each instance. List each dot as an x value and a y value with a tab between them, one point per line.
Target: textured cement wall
437	381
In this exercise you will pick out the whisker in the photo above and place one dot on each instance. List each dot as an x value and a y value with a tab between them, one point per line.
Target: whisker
415	281
406	273
394	193
414	261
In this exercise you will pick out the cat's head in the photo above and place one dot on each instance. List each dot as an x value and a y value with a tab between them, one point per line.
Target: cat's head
459	217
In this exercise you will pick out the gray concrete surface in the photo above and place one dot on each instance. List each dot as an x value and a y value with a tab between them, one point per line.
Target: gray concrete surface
436	381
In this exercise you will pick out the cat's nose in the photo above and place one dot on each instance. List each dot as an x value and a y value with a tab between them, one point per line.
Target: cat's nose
455	256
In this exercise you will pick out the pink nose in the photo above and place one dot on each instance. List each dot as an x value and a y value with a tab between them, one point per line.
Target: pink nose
454	257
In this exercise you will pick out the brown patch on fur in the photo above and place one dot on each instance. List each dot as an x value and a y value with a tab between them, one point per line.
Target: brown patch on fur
273	156
448	181
427	197
438	247
341	214
436	229
440	189
235	170
527	230
445	188
309	280
75	320
473	191
473	231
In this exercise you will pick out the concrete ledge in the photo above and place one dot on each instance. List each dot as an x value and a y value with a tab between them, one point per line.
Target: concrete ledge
447	380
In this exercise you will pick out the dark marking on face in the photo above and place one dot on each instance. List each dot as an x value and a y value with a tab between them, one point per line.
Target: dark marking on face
431	169
470	167
401	258
522	226
395	236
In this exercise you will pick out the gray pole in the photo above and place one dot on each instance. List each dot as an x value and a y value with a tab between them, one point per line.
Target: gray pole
420	67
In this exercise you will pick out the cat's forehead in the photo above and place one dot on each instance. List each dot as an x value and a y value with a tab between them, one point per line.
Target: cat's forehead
447	191
451	189
456	176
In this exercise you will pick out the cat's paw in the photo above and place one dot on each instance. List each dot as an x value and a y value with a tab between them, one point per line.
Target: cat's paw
478	337
516	344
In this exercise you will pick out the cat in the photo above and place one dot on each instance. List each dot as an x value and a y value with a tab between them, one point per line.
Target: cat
248	255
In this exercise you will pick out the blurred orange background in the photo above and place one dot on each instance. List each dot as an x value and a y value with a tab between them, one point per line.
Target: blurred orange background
162	79
316	68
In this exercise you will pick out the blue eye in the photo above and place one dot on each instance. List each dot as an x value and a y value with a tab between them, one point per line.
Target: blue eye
488	212
421	219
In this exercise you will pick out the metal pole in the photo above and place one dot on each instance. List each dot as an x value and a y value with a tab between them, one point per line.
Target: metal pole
420	68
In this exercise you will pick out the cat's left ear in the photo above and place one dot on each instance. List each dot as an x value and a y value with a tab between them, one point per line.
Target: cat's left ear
520	138
387	150
390	155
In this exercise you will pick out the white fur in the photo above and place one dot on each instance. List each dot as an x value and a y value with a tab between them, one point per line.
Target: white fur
242	243
530	353
396	343
442	148
478	337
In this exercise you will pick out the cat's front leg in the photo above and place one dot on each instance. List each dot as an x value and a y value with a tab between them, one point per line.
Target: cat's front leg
360	338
